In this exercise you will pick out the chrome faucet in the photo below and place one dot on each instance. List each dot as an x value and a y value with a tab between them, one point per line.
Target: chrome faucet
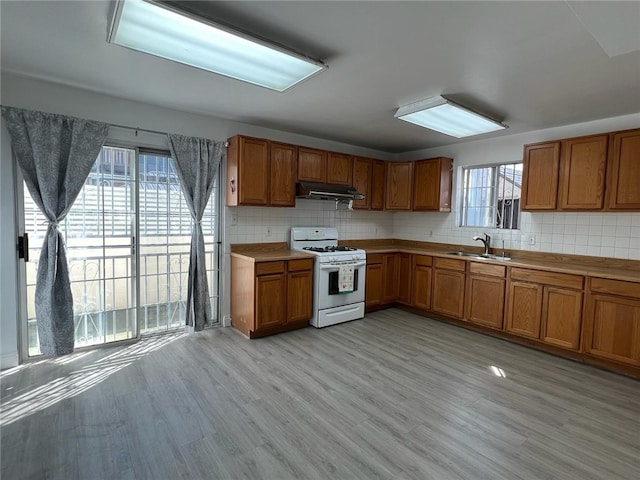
487	242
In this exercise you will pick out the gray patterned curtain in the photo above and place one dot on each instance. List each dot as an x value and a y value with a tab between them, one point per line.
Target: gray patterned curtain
197	161
55	154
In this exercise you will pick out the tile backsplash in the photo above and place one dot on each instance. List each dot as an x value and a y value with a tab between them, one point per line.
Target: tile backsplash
614	235
260	224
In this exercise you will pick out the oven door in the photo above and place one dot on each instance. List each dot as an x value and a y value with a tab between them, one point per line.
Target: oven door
328	292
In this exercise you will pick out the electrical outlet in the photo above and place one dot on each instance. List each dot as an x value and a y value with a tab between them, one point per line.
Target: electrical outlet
268	234
234	219
531	239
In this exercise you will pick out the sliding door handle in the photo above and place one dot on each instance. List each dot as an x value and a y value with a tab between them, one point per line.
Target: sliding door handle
23	247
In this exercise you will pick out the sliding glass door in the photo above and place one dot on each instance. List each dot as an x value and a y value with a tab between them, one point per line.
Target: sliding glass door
127	236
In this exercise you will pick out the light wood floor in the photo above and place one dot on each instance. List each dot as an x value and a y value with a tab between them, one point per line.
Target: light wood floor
393	396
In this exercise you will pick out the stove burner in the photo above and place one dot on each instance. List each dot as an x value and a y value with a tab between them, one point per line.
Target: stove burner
330	249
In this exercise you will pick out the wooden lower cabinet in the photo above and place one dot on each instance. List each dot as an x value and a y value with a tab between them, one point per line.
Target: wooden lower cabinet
390	272
524	309
561	317
270	301
299	295
448	287
404	278
485	300
373	282
612	327
421	282
270	297
545	306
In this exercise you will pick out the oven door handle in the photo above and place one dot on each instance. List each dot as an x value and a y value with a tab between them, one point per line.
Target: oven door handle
328	266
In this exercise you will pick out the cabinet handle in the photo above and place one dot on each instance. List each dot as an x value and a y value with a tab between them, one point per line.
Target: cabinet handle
232	182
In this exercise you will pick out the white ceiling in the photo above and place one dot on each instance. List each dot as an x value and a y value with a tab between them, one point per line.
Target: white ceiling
531	64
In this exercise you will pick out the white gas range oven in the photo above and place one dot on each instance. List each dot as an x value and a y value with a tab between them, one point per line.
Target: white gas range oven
338	276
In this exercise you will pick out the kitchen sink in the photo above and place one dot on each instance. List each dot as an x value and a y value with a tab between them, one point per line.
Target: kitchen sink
479	255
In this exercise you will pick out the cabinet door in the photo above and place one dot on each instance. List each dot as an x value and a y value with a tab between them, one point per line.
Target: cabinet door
399	182
623	178
485	300
432	185
582	171
448	292
373	285
378	182
524	309
312	165
540	176
362	168
562	317
390	287
612	329
422	287
299	295
404	278
248	171
282	175
339	169
270	300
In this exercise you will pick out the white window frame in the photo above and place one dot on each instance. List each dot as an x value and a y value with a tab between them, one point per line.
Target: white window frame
504	216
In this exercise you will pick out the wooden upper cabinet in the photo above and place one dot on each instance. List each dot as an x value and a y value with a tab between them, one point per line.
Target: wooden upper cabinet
339	169
399	183
623	177
582	172
362	169
247	171
312	165
540	176
378	171
282	190
432	184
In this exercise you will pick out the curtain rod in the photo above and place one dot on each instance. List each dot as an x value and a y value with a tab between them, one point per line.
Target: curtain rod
157	132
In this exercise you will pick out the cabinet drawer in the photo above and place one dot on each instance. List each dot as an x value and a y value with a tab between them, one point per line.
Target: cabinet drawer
264	268
450	264
374	258
302	264
424	260
615	287
548	278
484	269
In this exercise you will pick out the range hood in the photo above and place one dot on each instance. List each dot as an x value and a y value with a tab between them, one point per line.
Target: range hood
327	191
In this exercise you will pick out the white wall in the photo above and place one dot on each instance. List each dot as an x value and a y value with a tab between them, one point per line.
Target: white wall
8	258
614	235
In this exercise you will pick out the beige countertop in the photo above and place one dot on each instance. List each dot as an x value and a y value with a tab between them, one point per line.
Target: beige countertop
267	252
273	256
552	265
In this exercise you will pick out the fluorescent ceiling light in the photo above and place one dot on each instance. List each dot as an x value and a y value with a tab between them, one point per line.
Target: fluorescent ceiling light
444	116
159	30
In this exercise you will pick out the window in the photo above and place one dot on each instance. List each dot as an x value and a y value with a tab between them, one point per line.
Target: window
491	196
128	237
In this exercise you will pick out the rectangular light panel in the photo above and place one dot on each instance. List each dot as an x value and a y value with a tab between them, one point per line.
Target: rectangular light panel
158	30
444	116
